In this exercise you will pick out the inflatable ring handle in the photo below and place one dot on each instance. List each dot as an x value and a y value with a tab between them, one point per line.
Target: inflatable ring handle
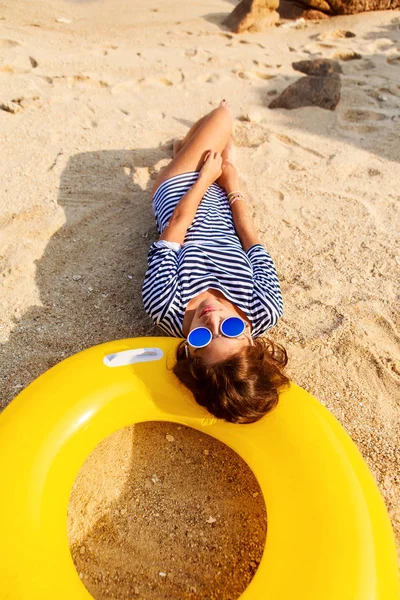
129	357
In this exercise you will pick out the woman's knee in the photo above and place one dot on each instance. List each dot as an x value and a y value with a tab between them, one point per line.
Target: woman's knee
224	113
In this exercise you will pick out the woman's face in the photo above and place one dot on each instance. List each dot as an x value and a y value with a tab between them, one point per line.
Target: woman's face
210	313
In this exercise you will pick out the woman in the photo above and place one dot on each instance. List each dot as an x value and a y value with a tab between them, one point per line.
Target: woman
209	279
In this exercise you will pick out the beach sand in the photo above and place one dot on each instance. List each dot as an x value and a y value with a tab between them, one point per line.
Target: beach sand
92	96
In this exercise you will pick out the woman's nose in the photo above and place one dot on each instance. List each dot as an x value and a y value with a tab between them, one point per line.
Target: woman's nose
213	320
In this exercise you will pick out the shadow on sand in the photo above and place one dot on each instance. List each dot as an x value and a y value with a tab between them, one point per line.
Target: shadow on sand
90	275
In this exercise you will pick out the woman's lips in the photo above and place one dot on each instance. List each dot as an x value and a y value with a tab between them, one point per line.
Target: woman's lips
207	309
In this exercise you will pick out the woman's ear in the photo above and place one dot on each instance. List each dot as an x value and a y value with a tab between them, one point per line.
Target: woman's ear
180	351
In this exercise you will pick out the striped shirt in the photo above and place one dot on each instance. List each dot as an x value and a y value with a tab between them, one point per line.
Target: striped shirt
211	257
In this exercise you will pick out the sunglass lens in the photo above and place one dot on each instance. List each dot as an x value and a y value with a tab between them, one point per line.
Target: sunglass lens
199	337
233	326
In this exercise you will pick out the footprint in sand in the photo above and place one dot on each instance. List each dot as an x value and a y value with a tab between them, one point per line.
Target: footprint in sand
357	115
285	139
14	59
13	69
365	64
336	35
4	43
380	45
253	75
393	60
346	55
294	166
19	104
262	64
155	81
175	77
126	86
248	135
82	81
6	69
213	78
191	52
350	81
391	89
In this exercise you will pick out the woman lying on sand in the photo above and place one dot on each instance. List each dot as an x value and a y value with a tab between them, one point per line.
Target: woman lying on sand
209	279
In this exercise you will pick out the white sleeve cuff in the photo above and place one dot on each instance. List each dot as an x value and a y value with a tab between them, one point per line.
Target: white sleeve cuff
165	244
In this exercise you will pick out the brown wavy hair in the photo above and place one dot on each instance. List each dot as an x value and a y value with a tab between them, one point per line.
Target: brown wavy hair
241	388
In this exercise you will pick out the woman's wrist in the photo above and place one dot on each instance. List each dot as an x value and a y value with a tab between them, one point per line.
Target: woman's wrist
203	181
233	185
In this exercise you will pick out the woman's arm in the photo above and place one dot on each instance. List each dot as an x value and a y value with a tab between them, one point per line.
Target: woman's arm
185	210
244	224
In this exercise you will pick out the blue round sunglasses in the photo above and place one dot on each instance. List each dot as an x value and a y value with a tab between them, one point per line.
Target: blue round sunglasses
231	327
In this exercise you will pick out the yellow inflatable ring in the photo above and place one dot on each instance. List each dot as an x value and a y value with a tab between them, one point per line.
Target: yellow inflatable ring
329	535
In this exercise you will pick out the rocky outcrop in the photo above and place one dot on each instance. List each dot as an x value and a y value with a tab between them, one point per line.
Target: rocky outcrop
321	9
253	15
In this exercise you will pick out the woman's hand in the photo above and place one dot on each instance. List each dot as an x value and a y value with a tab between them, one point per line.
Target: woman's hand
211	168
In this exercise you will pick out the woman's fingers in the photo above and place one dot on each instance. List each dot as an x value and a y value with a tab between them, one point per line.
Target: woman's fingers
212	165
213	154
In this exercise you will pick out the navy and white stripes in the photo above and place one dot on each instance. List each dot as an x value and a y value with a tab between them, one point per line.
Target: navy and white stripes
210	257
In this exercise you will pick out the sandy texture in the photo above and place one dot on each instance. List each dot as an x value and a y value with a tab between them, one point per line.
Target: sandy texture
90	109
158	513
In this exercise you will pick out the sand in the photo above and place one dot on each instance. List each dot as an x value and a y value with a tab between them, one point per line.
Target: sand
93	94
171	516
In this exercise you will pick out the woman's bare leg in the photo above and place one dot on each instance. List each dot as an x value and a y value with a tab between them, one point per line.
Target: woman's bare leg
228	155
211	134
178	144
229	152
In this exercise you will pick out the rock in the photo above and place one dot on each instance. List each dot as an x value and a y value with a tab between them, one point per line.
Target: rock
321	9
253	16
291	9
351	7
310	91
321	67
